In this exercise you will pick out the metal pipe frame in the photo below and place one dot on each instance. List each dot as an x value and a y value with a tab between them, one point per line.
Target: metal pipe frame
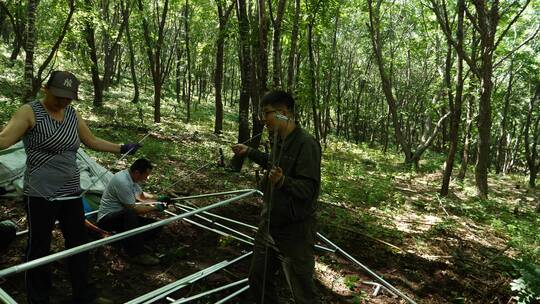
164	291
220	232
232	295
219	217
204	294
6	298
181	283
215	194
156	294
220	225
184	207
88	246
365	268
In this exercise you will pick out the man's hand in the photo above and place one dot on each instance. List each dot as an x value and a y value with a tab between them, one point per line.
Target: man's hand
240	149
275	176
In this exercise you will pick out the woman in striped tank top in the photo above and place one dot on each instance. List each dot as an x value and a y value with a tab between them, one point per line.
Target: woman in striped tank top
52	131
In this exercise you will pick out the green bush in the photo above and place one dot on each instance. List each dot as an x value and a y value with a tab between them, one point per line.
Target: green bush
527	287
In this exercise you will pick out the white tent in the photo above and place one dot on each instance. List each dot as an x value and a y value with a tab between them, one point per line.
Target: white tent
94	177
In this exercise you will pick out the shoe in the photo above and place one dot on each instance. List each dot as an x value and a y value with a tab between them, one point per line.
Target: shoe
145	259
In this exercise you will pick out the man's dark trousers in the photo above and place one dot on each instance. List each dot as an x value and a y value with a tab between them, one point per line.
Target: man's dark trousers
125	220
294	257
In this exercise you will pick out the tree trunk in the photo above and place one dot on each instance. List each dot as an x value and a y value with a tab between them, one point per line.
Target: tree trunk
132	62
35	81
262	49
276	50
112	53
531	152
455	104
245	67
501	143
293	53
374	30
312	89
18	28
29	49
153	52
188	58
218	73
467	143
89	33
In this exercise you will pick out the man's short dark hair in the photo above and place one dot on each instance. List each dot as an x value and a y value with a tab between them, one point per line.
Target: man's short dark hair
142	165
279	98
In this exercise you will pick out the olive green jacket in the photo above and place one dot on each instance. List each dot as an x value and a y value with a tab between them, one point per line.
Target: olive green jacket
294	199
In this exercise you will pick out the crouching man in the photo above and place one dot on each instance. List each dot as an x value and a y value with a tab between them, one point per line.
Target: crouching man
122	205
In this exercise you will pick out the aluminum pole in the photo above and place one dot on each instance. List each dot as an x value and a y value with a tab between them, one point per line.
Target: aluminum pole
220	225
150	296
213	194
232	295
116	237
219	217
6	298
212	229
321	248
175	286
204	294
372	273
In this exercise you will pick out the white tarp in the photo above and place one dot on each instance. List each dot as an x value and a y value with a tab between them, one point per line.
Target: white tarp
13	163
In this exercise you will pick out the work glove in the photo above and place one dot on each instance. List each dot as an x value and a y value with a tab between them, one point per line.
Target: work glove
130	148
164	199
161	207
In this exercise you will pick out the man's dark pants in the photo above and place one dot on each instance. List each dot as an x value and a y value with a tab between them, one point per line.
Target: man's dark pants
128	219
292	255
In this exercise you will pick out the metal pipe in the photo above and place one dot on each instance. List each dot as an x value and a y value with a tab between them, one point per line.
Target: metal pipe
86	214
232	295
221	225
204	294
175	286
6	298
201	273
214	194
211	229
219	217
321	248
119	236
372	273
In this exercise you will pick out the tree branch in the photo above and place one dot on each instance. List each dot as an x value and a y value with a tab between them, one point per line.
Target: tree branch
511	23
518	47
56	45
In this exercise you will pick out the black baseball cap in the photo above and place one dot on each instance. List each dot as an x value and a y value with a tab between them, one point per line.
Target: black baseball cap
63	84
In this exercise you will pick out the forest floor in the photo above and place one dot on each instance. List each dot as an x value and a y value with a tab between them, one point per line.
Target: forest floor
457	249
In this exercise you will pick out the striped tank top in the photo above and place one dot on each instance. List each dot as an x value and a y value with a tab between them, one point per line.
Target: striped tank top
51	150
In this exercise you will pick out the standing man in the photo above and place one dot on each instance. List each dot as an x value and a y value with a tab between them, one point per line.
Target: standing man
52	131
286	235
121	207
